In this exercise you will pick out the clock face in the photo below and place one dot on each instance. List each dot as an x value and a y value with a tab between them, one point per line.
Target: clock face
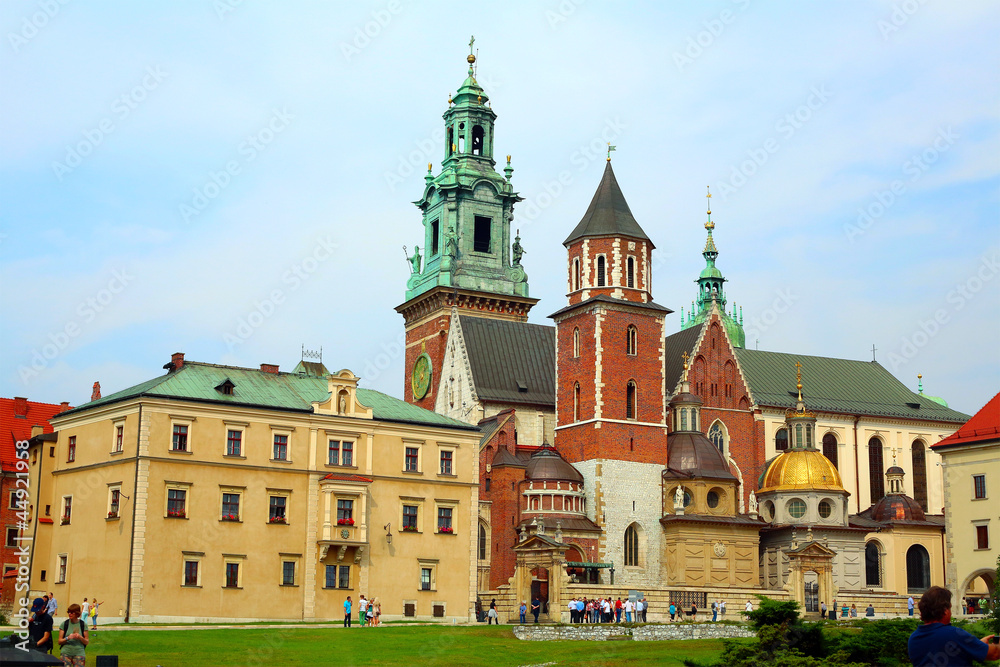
422	374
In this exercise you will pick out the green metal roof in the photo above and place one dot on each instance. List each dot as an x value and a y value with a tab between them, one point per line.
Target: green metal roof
836	385
196	381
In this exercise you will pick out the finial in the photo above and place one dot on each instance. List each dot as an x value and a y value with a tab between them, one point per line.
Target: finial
449	100
684	374
479	99
508	170
798	379
508	159
472	43
429	167
611	148
709	225
920	385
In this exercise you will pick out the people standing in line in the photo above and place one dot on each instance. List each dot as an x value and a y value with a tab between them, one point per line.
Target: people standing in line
937	642
673	611
40	627
347	612
73	638
629	608
909	605
536	608
94	608
51	606
580	610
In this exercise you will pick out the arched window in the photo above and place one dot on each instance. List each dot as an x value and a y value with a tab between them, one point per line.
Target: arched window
631	336
630	401
576	342
876	473
482	542
918	569
576	402
600	270
873	565
630	264
718	436
919	458
477	140
781	439
576	274
631	546
830	447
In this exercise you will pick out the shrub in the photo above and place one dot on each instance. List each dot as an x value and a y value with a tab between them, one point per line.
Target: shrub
881	642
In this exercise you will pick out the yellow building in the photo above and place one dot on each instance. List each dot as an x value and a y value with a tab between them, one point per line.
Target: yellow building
971	459
214	492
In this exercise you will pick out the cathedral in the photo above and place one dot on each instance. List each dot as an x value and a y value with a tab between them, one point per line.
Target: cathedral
629	451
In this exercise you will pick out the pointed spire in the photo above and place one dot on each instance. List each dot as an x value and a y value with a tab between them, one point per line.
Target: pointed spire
709	243
608	214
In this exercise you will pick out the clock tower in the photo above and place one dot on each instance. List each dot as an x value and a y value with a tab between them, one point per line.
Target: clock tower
468	263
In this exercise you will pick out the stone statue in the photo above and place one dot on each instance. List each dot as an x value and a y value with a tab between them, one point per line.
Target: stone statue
753	503
343	404
414	260
517	250
679	497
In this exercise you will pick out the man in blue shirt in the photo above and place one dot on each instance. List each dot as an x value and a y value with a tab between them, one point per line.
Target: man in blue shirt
347	612
937	643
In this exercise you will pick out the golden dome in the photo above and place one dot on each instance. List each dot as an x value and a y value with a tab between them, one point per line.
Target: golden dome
801	469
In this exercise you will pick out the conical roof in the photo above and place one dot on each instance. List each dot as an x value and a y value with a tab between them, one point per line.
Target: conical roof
608	214
547	464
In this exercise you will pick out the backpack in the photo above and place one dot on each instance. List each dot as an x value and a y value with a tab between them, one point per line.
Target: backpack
65	627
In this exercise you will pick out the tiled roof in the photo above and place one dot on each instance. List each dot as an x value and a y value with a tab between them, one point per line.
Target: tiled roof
14	428
511	362
836	385
983	427
608	213
196	381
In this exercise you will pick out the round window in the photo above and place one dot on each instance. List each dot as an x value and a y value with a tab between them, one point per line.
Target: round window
796	508
768	511
825	509
713	499
688	498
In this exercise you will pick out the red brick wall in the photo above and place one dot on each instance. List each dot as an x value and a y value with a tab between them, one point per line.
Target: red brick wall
505	516
605	246
433	333
715	378
575	369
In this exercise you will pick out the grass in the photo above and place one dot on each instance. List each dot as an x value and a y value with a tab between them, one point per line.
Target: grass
400	645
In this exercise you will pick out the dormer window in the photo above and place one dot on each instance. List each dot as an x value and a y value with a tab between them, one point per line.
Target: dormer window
226	387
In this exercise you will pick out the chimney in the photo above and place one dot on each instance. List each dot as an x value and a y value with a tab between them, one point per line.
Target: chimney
96	393
176	362
20	407
37	430
64	406
269	368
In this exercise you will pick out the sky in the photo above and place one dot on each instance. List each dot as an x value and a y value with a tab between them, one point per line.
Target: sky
235	179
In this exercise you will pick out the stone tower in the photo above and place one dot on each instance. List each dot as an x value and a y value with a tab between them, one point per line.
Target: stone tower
466	262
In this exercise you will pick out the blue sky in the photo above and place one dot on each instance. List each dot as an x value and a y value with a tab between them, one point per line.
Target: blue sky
234	180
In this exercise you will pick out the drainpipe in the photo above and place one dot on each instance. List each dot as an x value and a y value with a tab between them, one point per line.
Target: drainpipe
37	513
857	469
135	496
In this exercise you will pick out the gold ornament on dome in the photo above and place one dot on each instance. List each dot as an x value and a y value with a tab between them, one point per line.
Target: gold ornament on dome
800	469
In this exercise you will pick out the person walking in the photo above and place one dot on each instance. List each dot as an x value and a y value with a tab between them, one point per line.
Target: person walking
822	610
937	642
73	638
52	606
491	615
536	608
347	612
673	611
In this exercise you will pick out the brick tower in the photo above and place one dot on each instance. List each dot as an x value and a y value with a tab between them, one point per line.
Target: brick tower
610	397
468	263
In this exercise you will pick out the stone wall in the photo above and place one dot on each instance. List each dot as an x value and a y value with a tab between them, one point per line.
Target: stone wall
645	633
659	599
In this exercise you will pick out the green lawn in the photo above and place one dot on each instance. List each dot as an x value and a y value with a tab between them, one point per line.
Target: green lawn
421	646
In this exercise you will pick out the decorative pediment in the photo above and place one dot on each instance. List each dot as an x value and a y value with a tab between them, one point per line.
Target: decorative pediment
343	398
813	550
541	543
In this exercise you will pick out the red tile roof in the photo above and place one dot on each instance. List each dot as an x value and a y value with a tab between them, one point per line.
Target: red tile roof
17	416
984	426
347	478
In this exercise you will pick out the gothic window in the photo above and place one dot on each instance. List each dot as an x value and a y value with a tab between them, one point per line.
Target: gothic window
918	569
482	234
631	546
781	439
876	473
600	270
576	402
477	140
873	565
630	401
482	542
919	459
435	238
630	272
830	447
717	436
631	334
576	343
576	274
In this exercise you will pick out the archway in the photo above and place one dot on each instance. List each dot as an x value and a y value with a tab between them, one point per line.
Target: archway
873	565
540	587
811	588
918	569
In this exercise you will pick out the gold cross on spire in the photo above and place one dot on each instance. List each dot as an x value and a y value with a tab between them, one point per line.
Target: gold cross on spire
684	355
798	378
